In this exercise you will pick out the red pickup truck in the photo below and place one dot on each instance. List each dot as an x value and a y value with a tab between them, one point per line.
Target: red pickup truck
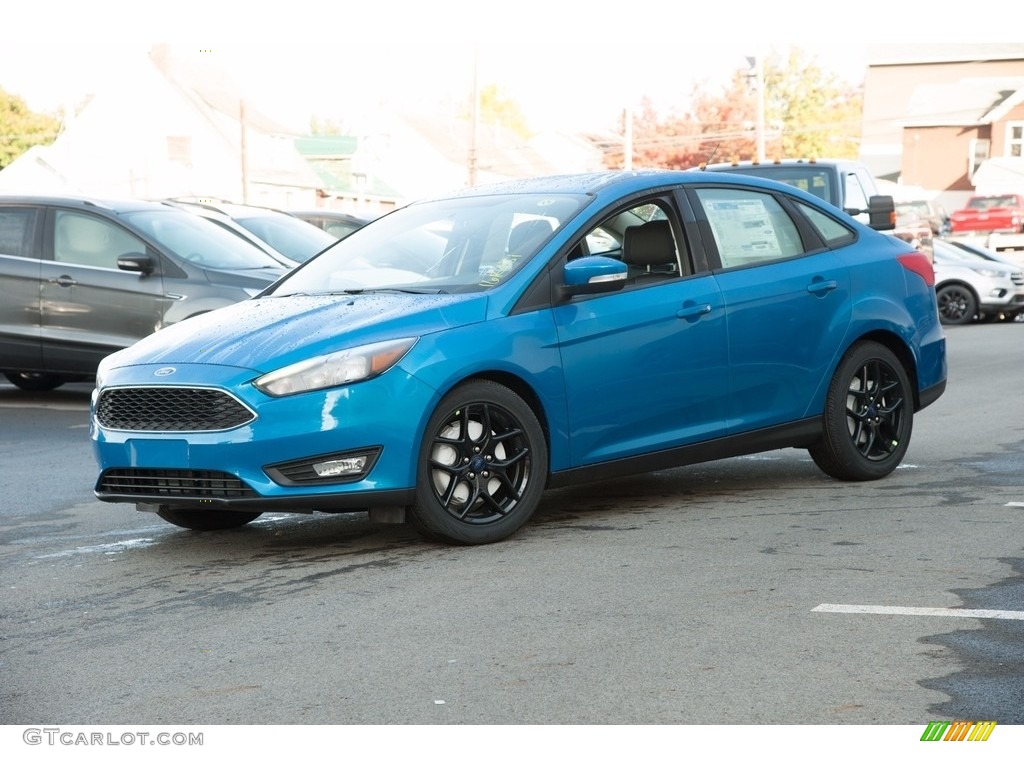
986	215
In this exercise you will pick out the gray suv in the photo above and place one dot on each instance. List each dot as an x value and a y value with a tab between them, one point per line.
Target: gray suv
81	278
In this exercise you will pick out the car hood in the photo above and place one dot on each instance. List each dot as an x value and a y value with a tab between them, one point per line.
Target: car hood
258	277
264	334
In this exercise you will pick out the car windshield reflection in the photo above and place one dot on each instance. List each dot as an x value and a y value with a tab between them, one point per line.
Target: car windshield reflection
470	244
200	242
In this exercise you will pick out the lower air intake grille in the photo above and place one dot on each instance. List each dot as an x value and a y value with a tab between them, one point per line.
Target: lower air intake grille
189	483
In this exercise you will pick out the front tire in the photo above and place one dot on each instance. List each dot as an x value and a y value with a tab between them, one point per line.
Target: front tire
957	305
207	519
869	416
482	466
34	382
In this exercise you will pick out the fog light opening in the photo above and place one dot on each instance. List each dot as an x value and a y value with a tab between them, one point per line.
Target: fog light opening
343	467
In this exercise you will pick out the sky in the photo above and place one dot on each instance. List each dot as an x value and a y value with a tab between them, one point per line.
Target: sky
569	64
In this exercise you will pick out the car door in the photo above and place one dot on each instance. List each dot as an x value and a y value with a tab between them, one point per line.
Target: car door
90	307
787	299
645	368
20	270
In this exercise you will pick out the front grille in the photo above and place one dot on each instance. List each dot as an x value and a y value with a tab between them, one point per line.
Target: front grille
189	483
1017	278
170	409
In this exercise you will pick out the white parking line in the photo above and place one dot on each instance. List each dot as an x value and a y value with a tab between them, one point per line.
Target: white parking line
47	406
960	613
1015	504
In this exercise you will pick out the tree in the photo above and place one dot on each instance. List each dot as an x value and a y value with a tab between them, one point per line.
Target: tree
20	128
808	113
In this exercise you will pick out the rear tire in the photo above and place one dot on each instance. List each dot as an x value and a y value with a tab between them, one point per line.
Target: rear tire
207	519
869	415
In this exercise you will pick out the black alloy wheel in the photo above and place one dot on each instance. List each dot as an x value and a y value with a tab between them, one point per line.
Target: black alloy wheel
482	467
957	305
869	414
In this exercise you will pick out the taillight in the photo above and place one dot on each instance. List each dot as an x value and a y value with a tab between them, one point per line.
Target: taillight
919	264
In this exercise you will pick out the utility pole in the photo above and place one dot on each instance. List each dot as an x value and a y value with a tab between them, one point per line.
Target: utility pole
474	119
627	151
244	160
755	76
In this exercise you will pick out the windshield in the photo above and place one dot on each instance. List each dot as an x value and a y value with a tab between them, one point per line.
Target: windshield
295	238
449	246
199	241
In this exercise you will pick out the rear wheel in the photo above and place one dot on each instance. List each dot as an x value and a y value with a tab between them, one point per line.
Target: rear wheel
33	382
869	415
482	467
207	519
957	305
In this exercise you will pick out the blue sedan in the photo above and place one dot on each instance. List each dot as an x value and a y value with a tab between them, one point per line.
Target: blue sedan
450	361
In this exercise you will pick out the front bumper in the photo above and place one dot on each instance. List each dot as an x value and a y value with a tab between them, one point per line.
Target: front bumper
266	464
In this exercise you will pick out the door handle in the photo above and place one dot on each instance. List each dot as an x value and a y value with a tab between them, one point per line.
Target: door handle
64	281
821	287
693	311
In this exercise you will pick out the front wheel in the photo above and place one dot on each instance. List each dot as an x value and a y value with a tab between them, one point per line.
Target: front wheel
957	305
34	382
482	466
207	519
869	415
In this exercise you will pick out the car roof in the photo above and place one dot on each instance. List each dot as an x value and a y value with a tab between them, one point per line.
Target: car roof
225	207
610	182
781	163
327	214
110	204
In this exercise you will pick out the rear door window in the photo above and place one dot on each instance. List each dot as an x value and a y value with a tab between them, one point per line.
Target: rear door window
17	231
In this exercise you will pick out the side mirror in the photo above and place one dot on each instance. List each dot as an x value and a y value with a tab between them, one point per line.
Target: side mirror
593	274
136	262
881	212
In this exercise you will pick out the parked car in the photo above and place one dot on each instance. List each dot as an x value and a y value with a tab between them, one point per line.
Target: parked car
296	239
846	184
336	223
995	221
911	228
974	252
971	287
81	278
449	361
226	222
928	210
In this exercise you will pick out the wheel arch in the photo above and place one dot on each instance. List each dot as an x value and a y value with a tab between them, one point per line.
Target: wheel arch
898	347
522	388
513	382
953	281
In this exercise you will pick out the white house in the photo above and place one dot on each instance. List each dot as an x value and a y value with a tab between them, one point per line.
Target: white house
174	126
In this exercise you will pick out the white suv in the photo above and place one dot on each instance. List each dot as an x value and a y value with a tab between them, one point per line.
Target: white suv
970	286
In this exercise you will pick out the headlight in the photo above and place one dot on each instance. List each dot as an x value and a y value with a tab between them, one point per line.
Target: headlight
989	272
345	367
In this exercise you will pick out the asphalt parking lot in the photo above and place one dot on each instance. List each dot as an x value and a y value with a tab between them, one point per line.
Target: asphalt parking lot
734	592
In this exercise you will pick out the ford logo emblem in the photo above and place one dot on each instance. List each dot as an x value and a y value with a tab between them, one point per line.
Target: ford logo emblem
164	371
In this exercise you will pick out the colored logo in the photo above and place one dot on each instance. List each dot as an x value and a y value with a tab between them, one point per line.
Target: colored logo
959	730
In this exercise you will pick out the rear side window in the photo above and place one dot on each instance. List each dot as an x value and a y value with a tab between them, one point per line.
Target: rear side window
749	227
17	230
833	232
